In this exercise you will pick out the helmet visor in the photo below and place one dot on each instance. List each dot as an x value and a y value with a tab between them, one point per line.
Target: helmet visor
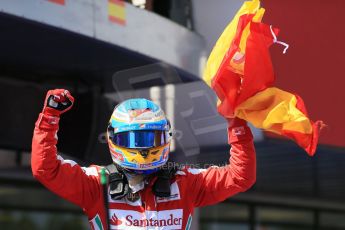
141	138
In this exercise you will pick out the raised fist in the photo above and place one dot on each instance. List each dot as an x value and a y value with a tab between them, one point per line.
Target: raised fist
57	102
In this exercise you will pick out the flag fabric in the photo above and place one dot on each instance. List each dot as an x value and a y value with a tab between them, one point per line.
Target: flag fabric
117	11
282	113
240	72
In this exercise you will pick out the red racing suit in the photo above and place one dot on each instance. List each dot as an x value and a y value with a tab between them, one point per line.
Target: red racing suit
190	187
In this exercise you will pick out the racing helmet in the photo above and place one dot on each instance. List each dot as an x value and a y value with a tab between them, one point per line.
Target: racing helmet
139	136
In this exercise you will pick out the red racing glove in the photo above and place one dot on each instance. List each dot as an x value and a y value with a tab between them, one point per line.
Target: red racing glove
57	102
236	122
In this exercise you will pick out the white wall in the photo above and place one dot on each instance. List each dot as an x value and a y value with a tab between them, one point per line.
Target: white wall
143	32
212	16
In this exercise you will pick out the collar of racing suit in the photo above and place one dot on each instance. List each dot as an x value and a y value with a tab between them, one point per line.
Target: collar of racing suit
159	181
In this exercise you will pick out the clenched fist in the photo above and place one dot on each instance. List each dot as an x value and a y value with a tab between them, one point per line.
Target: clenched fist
57	102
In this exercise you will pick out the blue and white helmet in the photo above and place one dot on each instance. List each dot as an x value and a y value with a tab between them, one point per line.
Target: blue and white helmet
139	136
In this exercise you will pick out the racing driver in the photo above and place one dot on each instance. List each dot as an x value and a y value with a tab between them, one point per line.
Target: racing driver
142	191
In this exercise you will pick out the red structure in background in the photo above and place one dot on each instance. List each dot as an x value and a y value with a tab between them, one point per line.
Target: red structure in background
314	66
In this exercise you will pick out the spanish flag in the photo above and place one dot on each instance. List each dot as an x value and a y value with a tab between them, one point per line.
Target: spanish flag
60	2
240	71
117	11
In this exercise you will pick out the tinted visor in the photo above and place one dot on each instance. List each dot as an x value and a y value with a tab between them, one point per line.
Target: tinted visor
141	138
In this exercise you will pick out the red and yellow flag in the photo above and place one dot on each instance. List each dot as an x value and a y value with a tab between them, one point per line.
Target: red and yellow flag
240	71
117	11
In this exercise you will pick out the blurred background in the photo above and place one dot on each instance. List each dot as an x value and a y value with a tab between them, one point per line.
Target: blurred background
105	51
